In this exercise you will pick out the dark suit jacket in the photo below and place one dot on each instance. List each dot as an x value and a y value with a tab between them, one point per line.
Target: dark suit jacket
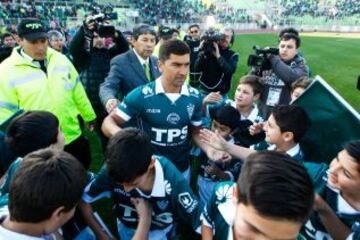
126	73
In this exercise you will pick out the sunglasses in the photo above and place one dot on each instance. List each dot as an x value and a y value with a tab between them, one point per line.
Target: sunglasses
195	31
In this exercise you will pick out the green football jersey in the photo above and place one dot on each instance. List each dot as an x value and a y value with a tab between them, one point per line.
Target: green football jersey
314	229
219	212
171	197
166	118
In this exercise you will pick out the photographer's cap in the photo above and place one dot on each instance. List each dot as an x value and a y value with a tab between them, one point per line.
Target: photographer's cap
31	29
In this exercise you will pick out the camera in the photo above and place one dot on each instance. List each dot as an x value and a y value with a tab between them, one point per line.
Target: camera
209	37
259	61
100	17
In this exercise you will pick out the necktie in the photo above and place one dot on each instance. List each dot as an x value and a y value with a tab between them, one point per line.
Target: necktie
147	71
42	65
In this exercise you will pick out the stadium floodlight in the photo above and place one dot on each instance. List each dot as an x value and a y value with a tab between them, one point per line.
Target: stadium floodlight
210	21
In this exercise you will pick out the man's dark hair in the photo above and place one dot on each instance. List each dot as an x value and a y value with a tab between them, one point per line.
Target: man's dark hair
143	29
288	30
277	186
194	25
255	83
176	47
128	155
288	36
5	35
292	118
32	131
46	180
353	149
228	116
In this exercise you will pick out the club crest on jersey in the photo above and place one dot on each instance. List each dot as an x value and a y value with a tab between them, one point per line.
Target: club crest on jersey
187	201
173	118
162	204
190	109
147	90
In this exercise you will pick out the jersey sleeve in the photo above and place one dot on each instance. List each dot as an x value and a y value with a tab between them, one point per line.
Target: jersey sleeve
131	105
196	119
185	204
99	187
207	216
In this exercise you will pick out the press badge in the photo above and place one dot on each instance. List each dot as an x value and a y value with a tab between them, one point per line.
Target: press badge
273	96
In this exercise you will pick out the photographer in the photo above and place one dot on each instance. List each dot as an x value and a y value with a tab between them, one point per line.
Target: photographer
92	59
193	41
7	44
216	62
285	68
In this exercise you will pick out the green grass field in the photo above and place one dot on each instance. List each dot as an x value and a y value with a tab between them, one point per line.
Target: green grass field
337	60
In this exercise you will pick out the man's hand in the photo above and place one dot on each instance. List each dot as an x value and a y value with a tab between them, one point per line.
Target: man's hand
111	104
217	51
212	97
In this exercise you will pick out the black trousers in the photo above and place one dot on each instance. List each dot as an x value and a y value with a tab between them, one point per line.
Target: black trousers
80	149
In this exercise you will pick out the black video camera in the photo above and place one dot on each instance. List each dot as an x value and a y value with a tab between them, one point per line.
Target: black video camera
259	61
209	37
100	18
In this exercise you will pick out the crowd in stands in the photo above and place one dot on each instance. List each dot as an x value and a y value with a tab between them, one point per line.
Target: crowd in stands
316	8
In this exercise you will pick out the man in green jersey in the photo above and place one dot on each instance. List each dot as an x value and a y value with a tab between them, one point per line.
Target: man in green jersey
169	110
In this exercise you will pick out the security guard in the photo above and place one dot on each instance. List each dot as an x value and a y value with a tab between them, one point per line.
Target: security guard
36	77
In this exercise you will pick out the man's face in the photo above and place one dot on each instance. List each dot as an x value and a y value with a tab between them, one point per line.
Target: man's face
272	130
175	35
144	45
9	42
98	42
344	174
244	95
250	225
194	33
225	42
35	49
175	69
57	43
287	50
222	129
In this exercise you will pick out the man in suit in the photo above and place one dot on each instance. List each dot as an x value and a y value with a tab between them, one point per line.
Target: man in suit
131	69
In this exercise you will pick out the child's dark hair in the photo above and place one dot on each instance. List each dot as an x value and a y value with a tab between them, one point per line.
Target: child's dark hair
292	118
226	115
353	149
253	81
46	180
271	179
302	82
31	131
128	155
